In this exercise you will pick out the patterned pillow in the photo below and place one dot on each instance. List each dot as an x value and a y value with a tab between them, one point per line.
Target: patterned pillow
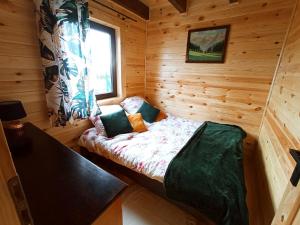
98	125
132	104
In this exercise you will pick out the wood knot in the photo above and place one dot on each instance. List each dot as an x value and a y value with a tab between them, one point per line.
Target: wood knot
201	18
281	89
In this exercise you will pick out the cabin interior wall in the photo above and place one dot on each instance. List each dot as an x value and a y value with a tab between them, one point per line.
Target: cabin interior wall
234	92
153	64
280	130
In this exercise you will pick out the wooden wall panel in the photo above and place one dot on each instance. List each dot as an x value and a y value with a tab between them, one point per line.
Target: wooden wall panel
20	65
234	92
280	129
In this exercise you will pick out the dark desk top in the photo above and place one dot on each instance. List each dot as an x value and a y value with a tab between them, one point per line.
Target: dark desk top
62	187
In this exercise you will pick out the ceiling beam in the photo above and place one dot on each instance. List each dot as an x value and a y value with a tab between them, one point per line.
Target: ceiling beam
180	5
137	7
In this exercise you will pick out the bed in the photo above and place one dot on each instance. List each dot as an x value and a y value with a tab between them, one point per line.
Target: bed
166	159
148	153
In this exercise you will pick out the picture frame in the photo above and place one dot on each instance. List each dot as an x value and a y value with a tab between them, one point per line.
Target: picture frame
207	45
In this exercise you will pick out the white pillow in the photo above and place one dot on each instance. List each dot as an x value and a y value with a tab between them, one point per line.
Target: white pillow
105	109
109	109
132	104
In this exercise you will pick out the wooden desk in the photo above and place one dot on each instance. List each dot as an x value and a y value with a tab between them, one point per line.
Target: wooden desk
62	187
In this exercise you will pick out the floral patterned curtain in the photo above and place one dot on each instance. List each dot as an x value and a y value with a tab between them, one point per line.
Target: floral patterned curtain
62	30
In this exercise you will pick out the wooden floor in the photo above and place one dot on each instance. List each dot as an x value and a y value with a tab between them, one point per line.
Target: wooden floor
142	207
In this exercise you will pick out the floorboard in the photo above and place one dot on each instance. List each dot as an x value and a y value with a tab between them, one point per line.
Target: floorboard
142	207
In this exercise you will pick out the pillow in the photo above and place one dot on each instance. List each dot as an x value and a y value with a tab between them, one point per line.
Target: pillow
109	109
132	104
148	112
105	110
161	116
116	123
99	126
137	122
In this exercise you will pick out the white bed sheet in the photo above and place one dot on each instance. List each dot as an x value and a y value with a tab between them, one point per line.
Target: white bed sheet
149	152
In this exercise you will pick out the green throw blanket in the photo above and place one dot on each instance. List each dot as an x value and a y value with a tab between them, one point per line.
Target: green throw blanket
208	174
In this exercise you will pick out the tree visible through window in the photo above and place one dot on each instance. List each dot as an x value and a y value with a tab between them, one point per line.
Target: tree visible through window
102	41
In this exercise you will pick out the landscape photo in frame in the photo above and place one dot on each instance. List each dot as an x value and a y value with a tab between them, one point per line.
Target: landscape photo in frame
207	45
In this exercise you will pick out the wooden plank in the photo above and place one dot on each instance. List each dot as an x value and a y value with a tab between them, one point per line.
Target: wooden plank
297	218
8	214
180	5
112	215
136	7
289	206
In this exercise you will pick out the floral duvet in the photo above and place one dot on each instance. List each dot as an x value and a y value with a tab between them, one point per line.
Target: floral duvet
149	152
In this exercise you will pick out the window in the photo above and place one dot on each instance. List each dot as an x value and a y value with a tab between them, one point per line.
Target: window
102	41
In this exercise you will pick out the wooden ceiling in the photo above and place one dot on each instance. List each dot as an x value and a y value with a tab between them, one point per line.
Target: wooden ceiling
141	7
180	5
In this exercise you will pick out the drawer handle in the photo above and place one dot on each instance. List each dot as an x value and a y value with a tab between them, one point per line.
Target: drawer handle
20	202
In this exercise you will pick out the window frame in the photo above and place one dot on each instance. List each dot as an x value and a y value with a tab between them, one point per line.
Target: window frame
112	33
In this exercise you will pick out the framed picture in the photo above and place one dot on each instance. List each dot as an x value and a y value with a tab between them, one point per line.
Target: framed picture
207	45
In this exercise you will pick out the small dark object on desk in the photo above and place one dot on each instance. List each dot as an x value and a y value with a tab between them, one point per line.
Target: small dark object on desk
11	110
17	141
11	113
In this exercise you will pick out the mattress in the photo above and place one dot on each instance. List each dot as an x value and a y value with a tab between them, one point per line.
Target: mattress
148	153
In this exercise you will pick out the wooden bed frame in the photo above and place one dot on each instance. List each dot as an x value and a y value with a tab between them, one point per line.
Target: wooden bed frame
151	184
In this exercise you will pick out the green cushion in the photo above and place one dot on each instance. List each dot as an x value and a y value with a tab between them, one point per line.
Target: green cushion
116	123
148	112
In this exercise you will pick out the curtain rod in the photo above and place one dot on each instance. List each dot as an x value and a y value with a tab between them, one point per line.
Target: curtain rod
127	17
